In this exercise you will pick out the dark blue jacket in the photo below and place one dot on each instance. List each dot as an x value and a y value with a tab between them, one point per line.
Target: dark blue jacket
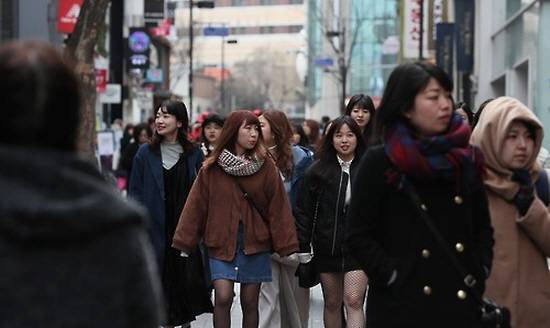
147	187
302	158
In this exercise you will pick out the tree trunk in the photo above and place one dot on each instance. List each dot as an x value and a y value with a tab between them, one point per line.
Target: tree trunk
81	48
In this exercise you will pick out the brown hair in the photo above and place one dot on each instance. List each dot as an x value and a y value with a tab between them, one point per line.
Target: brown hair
314	128
230	133
282	131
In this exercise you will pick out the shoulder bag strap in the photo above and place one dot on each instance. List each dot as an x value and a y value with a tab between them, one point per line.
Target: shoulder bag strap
468	279
249	199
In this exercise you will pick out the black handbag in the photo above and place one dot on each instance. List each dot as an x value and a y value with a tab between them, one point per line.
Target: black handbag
308	276
307	273
492	315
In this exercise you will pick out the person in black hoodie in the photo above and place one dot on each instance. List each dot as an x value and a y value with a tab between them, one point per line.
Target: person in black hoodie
73	252
321	220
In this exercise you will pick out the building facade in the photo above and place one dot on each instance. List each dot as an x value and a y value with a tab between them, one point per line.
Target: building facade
254	26
511	51
21	19
366	25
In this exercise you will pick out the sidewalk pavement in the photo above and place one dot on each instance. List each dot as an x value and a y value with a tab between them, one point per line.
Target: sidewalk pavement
315	311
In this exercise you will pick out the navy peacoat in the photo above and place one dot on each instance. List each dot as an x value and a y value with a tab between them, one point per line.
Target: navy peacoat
147	187
411	281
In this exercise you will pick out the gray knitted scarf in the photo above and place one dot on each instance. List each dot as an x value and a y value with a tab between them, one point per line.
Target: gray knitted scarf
238	165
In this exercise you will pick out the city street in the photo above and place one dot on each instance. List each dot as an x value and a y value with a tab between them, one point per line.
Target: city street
315	311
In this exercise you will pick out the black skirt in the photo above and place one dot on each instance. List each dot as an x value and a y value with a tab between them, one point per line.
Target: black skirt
185	288
335	264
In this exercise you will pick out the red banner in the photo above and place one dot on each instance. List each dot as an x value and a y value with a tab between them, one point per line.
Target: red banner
100	80
67	15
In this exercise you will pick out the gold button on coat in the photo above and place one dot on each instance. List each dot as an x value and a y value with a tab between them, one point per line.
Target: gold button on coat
425	253
461	294
458	200
427	290
459	247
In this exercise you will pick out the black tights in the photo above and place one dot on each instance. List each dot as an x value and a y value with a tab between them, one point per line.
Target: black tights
224	299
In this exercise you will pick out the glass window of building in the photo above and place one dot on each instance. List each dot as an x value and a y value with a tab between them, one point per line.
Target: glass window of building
513	6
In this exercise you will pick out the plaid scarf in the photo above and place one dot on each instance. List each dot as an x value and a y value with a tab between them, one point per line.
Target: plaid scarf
446	156
238	165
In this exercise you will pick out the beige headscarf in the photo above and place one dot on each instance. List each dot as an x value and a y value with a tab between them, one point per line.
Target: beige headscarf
489	135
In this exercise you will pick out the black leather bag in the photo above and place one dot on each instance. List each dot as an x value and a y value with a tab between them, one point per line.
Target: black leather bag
307	273
492	315
308	276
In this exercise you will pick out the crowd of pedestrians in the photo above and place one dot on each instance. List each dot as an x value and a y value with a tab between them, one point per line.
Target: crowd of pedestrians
408	213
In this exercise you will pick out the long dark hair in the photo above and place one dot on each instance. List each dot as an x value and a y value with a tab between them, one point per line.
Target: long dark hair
304	140
363	102
314	131
404	83
282	132
466	108
230	133
327	153
141	127
178	109
479	111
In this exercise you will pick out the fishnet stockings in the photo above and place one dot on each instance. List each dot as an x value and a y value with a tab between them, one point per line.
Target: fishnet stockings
355	287
349	288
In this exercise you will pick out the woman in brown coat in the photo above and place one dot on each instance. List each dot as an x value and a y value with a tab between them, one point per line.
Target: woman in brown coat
510	136
239	208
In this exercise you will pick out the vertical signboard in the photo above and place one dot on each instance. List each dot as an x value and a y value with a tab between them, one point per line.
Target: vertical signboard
100	79
67	15
139	44
464	20
444	47
437	13
411	28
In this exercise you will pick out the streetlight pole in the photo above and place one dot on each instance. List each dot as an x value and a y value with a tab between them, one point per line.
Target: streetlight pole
421	38
222	78
200	4
190	60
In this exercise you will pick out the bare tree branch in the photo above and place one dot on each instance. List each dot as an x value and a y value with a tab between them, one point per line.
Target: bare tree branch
355	34
342	47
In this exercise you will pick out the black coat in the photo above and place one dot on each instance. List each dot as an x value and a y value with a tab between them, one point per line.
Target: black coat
324	194
73	252
385	233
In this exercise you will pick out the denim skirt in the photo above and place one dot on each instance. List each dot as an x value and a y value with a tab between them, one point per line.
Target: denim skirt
243	268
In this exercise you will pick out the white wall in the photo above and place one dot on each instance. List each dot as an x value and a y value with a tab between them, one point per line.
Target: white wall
483	51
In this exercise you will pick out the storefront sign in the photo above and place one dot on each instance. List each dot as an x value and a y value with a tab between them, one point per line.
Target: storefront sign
444	47
67	15
411	28
139	44
464	20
